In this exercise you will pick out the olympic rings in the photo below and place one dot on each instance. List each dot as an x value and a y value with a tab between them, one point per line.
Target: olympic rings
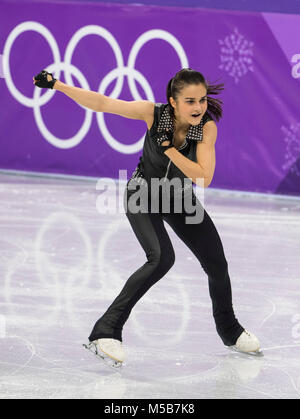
119	72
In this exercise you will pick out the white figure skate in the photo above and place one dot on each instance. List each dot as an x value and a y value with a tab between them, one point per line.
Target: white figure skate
247	343
109	350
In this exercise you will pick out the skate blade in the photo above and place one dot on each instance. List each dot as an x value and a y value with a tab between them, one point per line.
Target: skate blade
112	363
258	353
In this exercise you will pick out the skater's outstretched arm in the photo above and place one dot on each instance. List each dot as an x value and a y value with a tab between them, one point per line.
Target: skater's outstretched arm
139	109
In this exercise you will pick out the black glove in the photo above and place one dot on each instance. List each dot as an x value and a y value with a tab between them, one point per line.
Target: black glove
163	148
42	80
160	138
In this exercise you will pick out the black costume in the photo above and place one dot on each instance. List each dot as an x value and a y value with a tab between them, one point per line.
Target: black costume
202	238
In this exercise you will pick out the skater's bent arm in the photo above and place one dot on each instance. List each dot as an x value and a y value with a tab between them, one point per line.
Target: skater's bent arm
139	109
205	166
187	166
205	154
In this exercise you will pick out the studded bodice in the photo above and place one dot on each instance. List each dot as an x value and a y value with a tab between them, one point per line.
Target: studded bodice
152	164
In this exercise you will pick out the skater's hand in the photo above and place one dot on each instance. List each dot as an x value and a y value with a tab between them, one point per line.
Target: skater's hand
165	145
44	80
163	141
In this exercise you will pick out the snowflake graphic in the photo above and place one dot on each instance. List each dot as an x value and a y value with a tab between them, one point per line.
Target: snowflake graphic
236	54
292	140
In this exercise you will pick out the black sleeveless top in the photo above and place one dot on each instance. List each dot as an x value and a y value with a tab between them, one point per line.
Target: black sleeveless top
152	163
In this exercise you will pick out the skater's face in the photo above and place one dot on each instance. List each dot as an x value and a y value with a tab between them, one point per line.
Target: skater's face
190	106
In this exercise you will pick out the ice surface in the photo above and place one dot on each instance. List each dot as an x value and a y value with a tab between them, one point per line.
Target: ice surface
62	263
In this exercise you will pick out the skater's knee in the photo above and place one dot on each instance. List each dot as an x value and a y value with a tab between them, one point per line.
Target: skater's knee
167	260
162	260
154	257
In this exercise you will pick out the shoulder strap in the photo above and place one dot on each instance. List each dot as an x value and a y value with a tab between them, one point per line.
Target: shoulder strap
158	110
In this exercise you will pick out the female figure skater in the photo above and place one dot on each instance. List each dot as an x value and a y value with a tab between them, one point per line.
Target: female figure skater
180	142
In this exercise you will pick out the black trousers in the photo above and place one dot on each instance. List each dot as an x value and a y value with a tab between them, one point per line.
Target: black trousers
205	243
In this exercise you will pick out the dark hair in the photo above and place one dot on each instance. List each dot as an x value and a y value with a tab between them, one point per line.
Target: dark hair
189	76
